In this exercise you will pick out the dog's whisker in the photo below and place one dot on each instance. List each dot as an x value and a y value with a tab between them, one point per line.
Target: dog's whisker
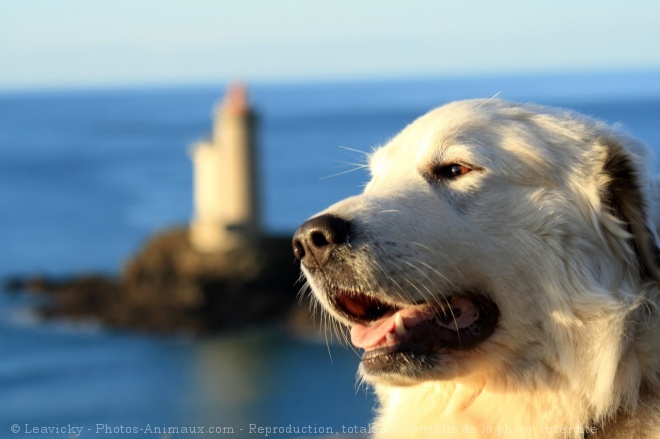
442	295
343	163
435	270
440	299
431	297
359	382
357	168
492	98
403	293
362	164
304	291
324	323
363	153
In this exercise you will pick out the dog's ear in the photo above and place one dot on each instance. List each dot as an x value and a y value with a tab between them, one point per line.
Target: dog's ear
626	195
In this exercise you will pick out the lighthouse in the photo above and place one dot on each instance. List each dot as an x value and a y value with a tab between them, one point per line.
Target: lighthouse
226	193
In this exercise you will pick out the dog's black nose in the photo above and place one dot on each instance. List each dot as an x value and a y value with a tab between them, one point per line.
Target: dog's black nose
316	238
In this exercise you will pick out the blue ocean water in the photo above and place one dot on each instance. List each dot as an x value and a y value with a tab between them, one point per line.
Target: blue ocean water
86	176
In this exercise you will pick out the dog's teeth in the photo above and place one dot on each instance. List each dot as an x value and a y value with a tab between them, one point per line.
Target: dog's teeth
390	337
398	324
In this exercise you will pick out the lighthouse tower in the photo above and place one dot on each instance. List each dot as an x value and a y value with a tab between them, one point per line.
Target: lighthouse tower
226	196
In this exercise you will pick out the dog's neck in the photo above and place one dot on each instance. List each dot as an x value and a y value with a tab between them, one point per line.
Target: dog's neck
481	407
476	410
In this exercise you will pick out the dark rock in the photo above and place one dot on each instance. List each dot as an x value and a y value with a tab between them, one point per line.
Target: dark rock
169	286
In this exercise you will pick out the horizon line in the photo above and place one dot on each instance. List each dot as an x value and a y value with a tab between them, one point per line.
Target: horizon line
130	85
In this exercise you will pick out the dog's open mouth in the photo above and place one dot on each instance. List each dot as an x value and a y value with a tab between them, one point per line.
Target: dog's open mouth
456	322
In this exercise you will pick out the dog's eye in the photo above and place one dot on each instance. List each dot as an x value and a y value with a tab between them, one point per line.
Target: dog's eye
450	171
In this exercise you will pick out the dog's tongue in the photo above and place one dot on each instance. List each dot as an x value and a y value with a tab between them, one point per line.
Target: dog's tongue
464	313
366	336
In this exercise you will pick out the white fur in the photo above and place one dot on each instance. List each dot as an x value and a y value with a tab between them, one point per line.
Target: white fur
577	345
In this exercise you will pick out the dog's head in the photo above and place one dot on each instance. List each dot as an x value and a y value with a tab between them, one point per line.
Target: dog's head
493	239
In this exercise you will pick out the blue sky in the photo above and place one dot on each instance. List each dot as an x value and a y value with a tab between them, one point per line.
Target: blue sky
81	43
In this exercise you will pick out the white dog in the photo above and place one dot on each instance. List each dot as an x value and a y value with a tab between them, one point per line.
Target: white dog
501	273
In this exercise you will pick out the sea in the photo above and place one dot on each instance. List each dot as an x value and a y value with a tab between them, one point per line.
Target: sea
87	175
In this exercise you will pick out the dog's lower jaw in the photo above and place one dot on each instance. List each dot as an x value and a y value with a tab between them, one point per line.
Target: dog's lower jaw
408	371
